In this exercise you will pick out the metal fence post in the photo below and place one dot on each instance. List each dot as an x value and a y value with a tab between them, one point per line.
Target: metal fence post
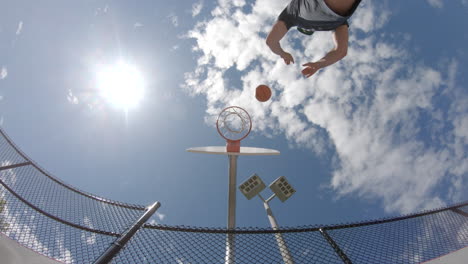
335	246
120	242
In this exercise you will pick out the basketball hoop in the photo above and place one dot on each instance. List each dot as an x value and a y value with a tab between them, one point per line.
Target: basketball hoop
233	124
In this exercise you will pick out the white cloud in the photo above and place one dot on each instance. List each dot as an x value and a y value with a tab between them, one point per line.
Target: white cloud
366	108
137	25
440	3
3	73
160	216
196	8
20	28
100	10
174	19
72	98
461	128
436	3
366	19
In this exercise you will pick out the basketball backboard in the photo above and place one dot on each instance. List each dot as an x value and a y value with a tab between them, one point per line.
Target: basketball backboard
244	151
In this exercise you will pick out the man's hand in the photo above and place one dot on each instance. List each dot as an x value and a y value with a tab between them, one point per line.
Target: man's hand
310	69
340	37
288	58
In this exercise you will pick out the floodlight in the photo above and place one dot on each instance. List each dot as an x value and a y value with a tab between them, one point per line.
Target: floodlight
282	188
252	186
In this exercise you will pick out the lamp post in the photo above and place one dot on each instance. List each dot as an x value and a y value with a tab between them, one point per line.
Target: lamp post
281	189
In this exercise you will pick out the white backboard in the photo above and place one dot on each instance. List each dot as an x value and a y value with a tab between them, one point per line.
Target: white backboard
244	151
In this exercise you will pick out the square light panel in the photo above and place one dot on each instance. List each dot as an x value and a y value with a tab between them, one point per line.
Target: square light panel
282	188
252	186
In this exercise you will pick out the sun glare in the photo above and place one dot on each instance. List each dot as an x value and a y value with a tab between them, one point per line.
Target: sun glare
121	84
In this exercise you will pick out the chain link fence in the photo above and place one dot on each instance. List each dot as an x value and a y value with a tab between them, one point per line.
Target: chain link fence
59	221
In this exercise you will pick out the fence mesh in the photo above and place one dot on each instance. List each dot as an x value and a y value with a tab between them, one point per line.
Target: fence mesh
158	245
411	240
47	236
64	223
53	198
8	154
464	209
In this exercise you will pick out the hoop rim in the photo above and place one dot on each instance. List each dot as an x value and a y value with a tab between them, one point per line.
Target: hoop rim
250	125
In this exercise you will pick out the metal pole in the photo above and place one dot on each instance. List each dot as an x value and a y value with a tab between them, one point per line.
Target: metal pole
120	242
231	221
232	192
287	258
335	246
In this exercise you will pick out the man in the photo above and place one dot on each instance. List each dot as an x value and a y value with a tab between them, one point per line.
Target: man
310	16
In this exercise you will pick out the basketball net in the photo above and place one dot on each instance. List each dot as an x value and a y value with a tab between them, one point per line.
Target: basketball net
233	124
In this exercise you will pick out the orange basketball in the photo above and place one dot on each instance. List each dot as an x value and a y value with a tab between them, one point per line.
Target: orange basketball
262	93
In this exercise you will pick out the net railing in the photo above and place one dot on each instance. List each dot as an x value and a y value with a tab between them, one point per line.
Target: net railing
59	221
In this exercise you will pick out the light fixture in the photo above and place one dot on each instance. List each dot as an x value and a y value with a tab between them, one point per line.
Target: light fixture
282	188
252	186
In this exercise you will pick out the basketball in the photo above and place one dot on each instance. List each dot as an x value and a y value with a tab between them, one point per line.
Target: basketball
262	93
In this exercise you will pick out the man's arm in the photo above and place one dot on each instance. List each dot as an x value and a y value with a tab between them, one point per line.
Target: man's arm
276	34
340	37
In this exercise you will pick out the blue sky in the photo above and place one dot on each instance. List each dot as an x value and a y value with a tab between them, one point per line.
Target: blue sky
383	132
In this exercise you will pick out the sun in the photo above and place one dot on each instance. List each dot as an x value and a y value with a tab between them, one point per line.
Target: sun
121	84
